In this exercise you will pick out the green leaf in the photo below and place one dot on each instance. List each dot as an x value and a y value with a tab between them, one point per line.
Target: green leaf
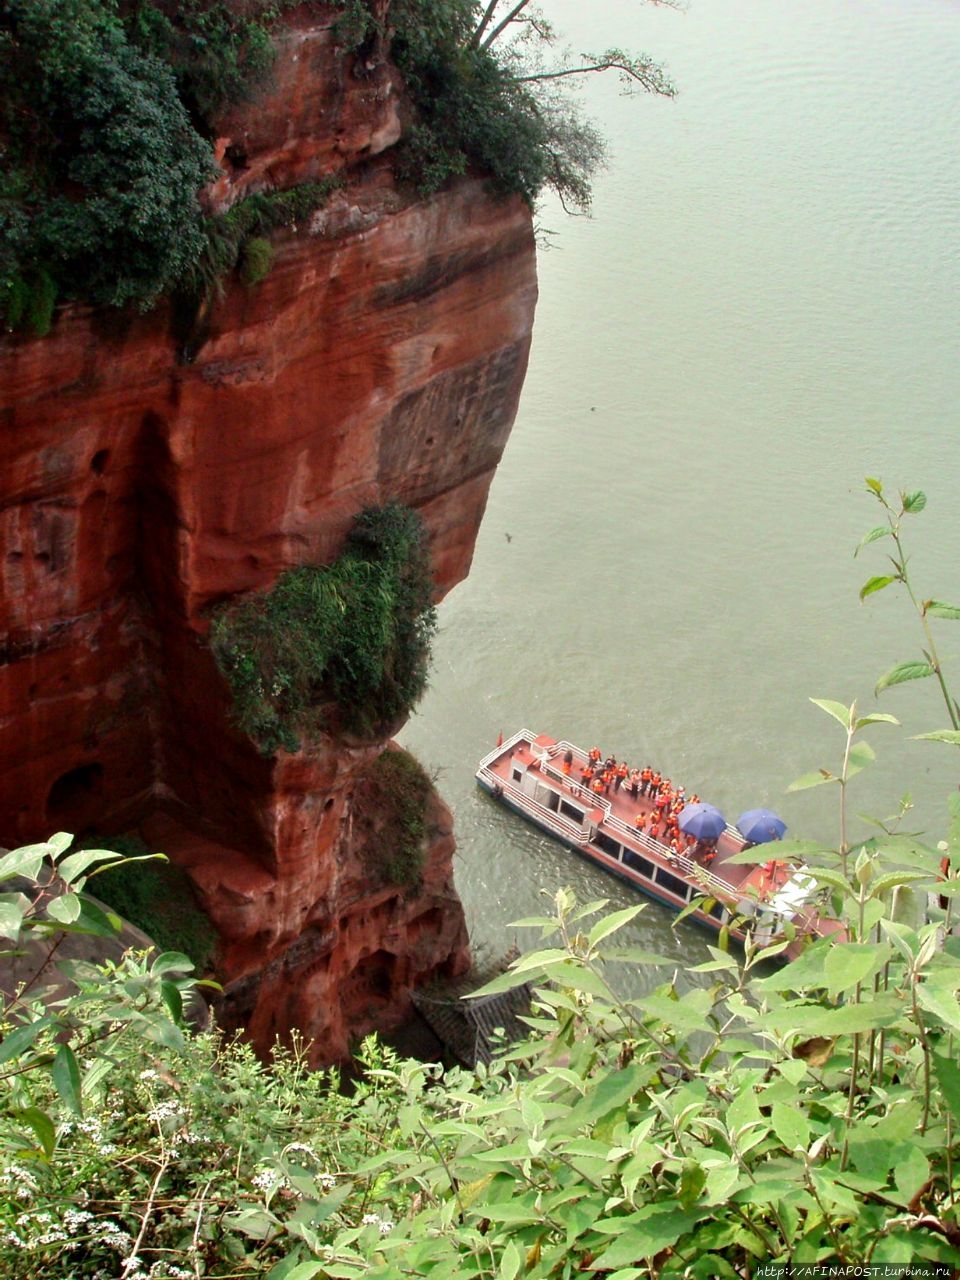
42	1126
95	920
835	709
850	963
874	485
693	1178
939	735
914	502
876	583
13	908
643	1234
609	924
77	863
824	875
948	1078
860	755
302	1271
23	862
941	610
786	850
849	1019
66	1078
875	717
172	961
893	879
65	909
940	1002
510	1262
170	994
14	1043
817	779
902	672
910	1173
879	531
161	1030
613	1091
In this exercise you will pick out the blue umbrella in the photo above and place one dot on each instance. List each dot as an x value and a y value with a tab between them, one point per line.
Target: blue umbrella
704	821
760	826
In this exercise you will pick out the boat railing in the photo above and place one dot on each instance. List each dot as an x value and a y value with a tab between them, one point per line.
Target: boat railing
550	819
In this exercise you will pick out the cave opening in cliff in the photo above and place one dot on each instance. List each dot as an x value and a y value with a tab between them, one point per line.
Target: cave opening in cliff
74	800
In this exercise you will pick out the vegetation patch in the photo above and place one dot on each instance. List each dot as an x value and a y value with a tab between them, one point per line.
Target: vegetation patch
396	791
352	638
157	897
104	124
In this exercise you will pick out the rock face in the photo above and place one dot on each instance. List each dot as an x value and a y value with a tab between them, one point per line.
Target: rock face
381	358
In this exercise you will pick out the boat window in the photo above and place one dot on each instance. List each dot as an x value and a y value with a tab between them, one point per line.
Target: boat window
608	845
672	883
717	911
550	798
571	811
643	865
517	775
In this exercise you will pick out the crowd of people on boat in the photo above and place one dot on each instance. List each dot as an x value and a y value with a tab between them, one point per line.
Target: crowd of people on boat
601	775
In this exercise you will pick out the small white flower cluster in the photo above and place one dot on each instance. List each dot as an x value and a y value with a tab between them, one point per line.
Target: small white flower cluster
325	1181
107	1232
18	1180
268	1180
164	1111
383	1225
91	1128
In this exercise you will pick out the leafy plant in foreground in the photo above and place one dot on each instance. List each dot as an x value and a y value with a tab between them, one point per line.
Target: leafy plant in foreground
909	504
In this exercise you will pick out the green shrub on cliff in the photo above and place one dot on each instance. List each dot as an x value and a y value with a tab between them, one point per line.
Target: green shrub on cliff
101	163
103	108
395	792
355	635
492	95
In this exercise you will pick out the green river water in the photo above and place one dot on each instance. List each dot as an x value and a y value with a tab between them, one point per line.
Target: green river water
762	310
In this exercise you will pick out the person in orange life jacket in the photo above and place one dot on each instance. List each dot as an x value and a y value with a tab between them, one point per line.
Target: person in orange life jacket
567	763
646	776
595	754
621	773
586	774
640	821
654	784
634	783
654	828
608	776
661	804
597	785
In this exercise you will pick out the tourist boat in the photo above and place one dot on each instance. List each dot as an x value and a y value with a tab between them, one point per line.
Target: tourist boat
526	773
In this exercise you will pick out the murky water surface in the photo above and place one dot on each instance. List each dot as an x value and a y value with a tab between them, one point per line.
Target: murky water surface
762	311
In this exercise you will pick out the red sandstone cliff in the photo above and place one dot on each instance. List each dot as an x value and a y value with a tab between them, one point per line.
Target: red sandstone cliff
381	359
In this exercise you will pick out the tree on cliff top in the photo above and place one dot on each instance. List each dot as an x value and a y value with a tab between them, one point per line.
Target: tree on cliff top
100	163
493	90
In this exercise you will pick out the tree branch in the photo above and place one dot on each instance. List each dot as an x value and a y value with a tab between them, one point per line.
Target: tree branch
504	23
